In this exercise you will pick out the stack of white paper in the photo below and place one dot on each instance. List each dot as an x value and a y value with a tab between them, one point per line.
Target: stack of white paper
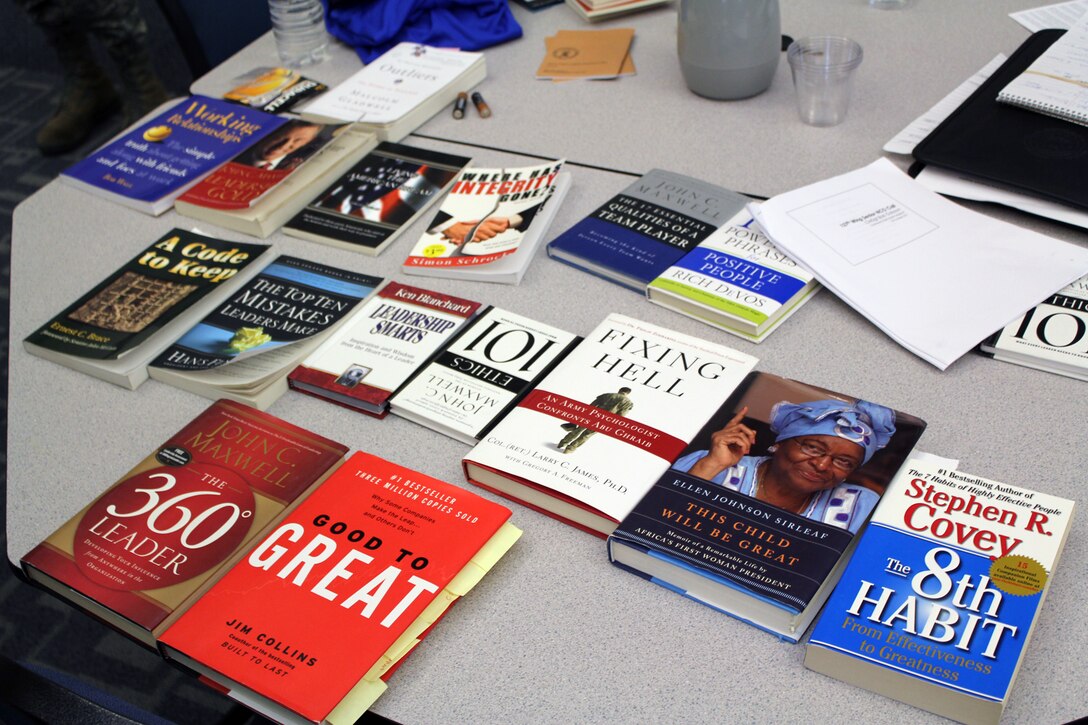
936	277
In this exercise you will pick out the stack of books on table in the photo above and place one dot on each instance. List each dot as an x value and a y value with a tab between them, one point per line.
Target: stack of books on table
396	93
198	553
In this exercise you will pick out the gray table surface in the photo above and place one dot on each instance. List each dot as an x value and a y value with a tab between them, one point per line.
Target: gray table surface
555	633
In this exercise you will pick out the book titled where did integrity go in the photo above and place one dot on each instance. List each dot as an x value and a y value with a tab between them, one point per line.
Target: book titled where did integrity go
489	227
307	626
116	329
943	593
588	442
145	549
639	233
757	517
148	167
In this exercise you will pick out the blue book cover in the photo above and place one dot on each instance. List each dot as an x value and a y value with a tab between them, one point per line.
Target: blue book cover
937	604
289	301
647	228
757	514
154	162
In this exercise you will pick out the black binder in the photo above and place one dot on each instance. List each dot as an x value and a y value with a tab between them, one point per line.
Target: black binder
1010	146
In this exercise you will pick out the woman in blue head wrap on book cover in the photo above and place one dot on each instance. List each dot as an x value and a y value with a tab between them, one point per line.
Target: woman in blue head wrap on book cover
817	446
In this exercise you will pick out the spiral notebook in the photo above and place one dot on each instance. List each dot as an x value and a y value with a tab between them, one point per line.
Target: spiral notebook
1056	83
1012	147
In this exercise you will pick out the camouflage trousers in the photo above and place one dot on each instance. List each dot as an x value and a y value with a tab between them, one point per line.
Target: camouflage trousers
117	24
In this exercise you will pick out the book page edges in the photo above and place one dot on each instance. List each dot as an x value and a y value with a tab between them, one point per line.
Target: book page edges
370	687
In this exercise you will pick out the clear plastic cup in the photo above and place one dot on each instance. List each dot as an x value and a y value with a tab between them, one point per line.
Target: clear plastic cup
823	74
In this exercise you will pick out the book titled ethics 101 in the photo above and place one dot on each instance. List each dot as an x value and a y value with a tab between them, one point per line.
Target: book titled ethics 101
943	591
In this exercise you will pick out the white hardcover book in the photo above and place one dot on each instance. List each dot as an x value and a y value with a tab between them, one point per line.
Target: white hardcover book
467	387
589	441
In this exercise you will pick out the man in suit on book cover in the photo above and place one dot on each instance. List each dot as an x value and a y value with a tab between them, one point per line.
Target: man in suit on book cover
618	403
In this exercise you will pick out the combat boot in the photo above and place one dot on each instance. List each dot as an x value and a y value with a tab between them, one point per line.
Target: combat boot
144	91
89	98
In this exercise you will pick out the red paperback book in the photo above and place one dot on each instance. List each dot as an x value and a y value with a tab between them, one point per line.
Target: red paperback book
243	180
306	625
144	549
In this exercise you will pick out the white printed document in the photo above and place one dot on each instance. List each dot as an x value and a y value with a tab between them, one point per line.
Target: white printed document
1058	15
935	276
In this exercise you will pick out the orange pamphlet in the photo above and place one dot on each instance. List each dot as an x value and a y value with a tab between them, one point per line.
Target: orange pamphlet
587	54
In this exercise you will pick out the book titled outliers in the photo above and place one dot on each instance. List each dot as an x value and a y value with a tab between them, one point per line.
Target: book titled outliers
311	621
938	602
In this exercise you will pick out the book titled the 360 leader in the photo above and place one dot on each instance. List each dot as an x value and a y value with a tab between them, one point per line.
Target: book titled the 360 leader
145	549
116	329
940	599
310	622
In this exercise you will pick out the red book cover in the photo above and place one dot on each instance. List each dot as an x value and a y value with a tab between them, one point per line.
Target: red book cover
145	546
381	345
242	181
305	615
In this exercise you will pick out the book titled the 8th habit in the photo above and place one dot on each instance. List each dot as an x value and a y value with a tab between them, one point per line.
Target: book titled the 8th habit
938	602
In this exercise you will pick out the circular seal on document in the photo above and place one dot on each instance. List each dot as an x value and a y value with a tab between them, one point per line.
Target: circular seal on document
1020	576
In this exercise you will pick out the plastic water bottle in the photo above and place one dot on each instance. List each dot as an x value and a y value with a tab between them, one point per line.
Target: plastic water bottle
299	29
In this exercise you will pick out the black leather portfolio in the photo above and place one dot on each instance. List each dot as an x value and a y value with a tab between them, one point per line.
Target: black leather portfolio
1013	147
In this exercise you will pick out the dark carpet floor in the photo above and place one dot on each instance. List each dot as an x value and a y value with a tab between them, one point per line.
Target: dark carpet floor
36	629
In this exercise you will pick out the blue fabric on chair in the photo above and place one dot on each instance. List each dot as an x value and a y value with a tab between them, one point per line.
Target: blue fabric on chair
372	27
